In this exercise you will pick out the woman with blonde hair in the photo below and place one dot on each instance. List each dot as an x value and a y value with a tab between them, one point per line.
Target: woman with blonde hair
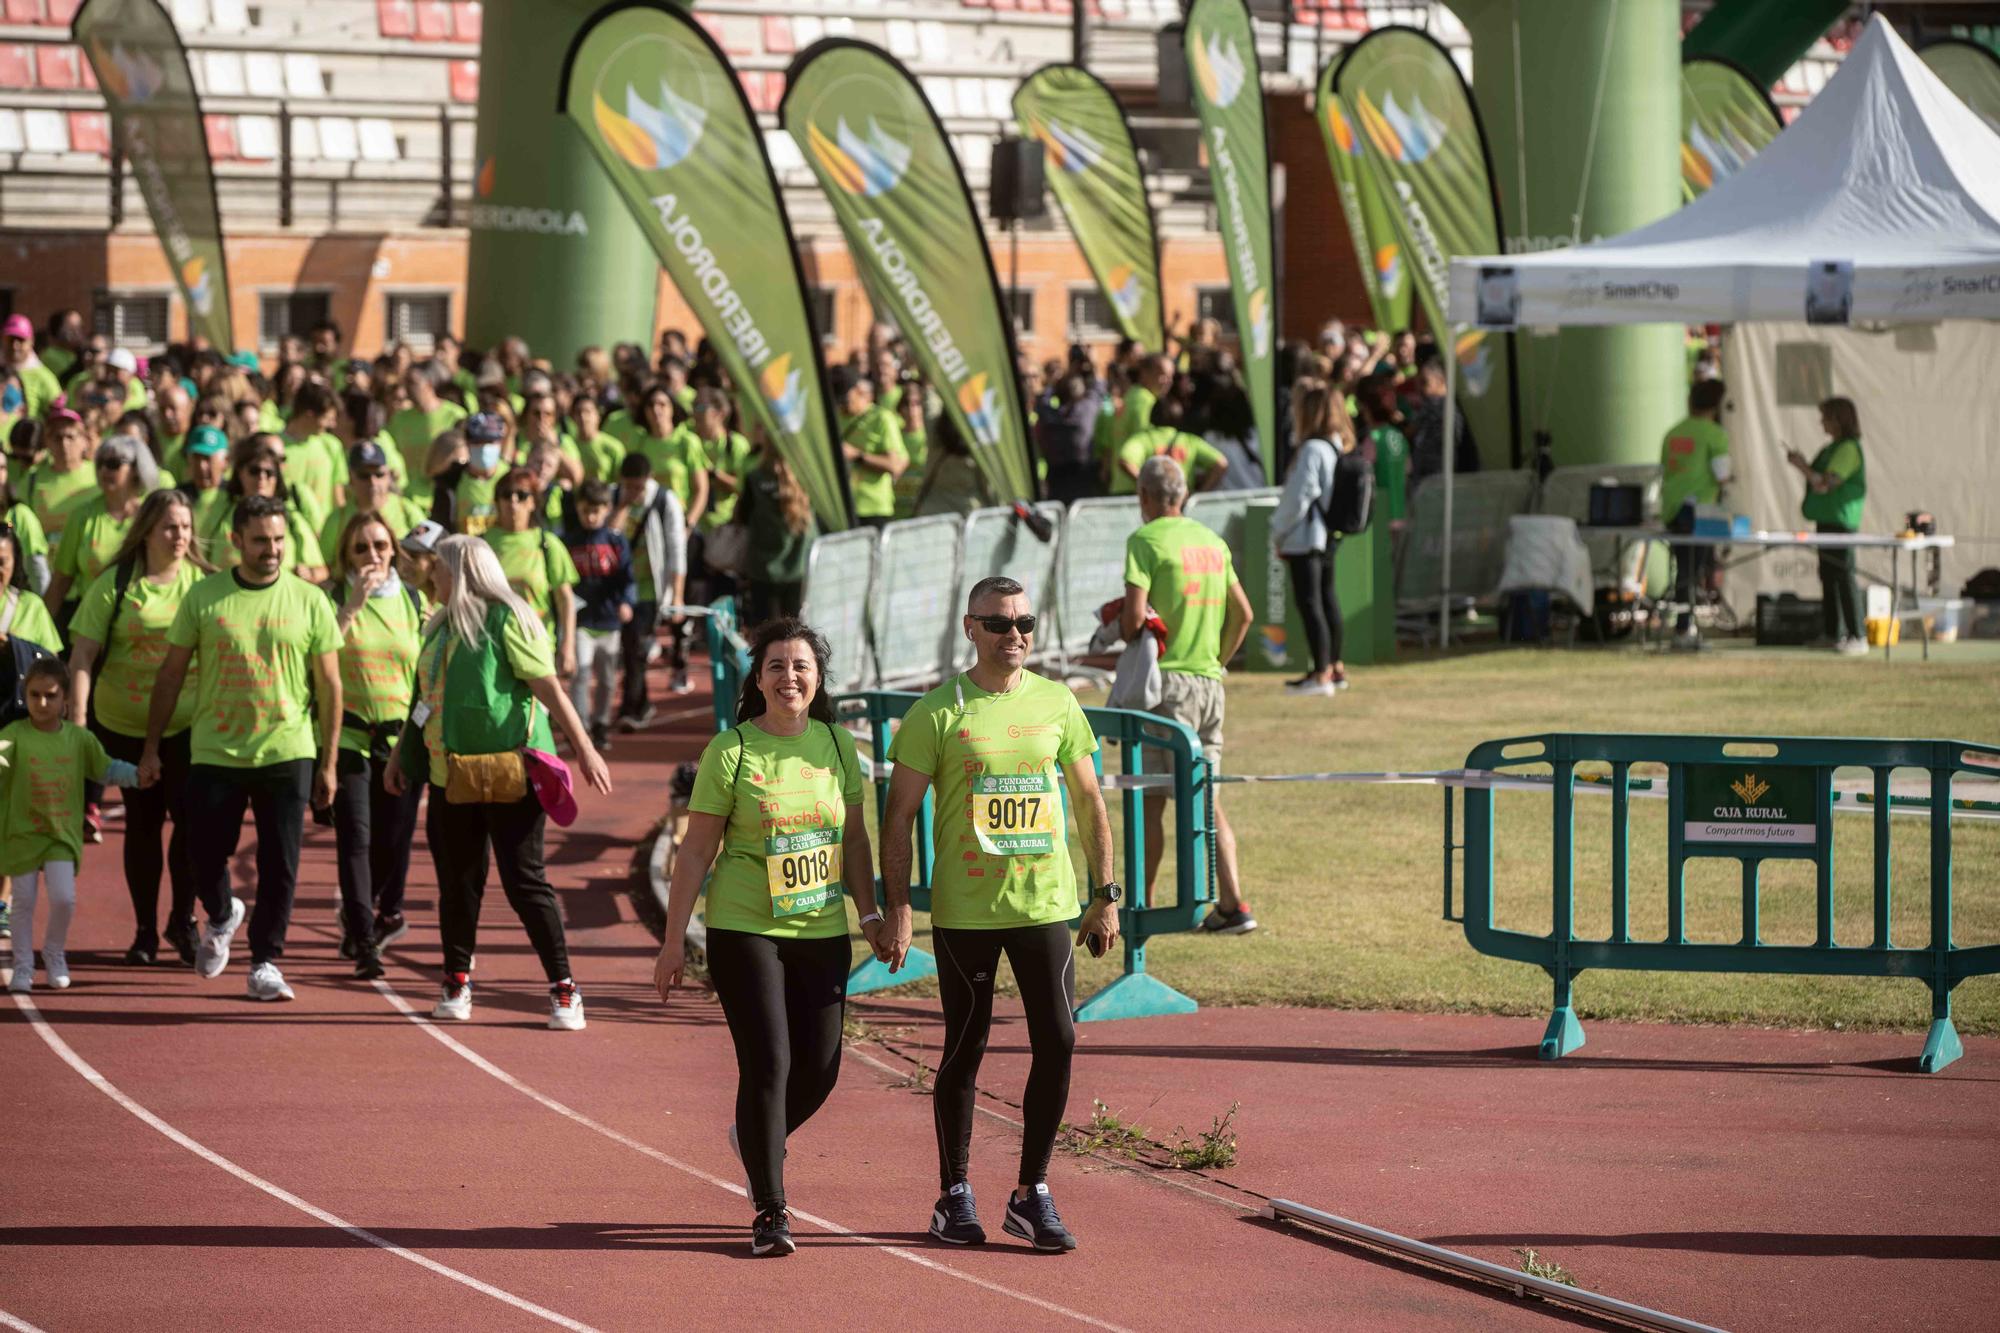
487	690
1323	432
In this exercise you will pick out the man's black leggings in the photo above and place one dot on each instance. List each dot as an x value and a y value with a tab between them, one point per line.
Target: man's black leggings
784	1000
1044	963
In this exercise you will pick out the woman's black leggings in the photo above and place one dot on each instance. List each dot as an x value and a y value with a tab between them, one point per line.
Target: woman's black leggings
1840	600
1319	603
147	810
1044	964
784	1000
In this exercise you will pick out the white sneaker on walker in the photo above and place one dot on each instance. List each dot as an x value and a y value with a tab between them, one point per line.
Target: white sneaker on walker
56	967
267	983
213	954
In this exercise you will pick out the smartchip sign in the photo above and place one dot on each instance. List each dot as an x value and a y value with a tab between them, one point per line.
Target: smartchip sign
1739	806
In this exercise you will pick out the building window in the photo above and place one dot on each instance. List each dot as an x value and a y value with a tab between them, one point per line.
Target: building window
1021	304
289	314
418	319
1090	316
821	301
131	319
1216	303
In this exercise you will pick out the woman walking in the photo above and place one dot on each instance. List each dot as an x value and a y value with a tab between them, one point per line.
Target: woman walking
486	674
118	640
380	633
779	795
1323	432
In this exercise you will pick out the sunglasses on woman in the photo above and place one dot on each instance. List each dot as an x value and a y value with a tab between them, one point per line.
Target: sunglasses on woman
1001	624
522	496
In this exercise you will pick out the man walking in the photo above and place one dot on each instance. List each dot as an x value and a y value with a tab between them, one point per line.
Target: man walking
259	637
1180	571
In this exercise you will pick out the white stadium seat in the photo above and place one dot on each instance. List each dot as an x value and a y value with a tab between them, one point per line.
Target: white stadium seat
228	16
302	76
12	140
378	140
305	138
225	73
970	94
45	131
807	29
784	151
190	15
903	39
934	41
940	91
337	139
257	137
264	72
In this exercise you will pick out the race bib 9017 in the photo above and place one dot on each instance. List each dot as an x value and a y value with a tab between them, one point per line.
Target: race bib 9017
1014	814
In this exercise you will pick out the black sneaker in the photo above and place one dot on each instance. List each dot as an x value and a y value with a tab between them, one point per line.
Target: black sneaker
1219	922
143	952
348	947
389	929
1034	1220
771	1234
367	962
955	1219
180	934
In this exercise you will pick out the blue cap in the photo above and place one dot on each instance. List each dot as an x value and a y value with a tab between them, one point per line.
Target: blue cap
485	428
367	454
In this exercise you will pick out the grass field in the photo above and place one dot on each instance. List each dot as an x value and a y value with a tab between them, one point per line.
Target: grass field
1346	880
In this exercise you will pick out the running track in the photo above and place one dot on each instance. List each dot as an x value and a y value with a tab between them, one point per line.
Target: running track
178	1155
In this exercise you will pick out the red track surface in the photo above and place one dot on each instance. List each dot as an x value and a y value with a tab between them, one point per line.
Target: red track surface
1725	1176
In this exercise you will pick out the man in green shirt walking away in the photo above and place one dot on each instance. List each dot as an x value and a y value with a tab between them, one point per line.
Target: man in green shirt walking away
1179	570
1694	467
258	636
872	439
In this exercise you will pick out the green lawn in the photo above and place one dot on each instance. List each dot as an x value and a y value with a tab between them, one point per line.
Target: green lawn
1346	880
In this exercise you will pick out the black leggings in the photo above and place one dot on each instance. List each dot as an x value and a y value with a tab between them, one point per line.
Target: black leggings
147	810
1044	966
459	837
1314	590
372	833
1840	600
784	999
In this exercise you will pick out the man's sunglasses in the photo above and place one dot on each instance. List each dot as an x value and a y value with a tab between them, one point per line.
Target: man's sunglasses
1001	624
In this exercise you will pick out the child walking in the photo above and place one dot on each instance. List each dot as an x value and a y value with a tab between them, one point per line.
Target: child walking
49	758
606	593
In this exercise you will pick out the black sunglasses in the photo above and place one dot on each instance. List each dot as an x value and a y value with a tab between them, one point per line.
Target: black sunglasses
517	495
1001	624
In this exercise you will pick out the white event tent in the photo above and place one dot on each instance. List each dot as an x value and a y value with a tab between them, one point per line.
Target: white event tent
1879	204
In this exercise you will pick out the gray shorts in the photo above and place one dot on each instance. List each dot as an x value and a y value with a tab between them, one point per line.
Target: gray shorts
1196	702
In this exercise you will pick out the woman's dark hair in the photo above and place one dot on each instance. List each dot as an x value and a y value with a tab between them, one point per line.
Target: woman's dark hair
944	435
1228	410
1846	420
253	452
141	425
750	703
19	578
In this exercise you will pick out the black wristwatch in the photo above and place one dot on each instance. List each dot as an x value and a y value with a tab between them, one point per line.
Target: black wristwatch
1112	892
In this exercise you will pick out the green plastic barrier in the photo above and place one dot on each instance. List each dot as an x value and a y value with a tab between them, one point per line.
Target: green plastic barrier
1721	804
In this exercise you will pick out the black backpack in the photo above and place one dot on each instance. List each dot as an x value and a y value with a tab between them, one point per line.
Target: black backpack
1350	502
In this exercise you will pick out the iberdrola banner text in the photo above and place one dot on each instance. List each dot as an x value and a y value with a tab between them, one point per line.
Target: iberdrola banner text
1424	141
1093	167
142	70
1376	249
661	108
1229	98
880	154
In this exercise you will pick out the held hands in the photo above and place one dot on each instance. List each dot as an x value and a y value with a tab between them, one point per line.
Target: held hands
894	929
669	966
149	767
877	939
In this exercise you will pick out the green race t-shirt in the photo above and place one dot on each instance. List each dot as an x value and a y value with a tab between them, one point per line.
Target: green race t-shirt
603	454
1185	569
1196	456
41	795
253	656
732	454
122	692
536	564
625	428
413	432
476	505
996	764
90	540
314	466
875	431
531	658
785	799
378	664
54	496
32	621
1842	506
28	529
675	460
1134	416
1687	460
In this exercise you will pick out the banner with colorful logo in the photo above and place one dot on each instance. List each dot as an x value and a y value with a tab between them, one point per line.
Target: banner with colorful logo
1093	167
658	103
882	158
1376	250
142	71
1726	120
1970	70
1229	98
1421	135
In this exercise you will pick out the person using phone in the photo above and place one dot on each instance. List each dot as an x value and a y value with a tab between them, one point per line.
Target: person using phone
997	741
1836	493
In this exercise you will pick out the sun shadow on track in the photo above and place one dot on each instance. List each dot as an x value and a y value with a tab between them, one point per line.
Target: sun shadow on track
1766	1243
729	1241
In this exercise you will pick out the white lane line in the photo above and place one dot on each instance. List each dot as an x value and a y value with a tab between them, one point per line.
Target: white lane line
481	1063
213	1158
18	1325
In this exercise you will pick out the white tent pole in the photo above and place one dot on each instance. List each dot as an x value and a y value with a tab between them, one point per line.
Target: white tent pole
1450	351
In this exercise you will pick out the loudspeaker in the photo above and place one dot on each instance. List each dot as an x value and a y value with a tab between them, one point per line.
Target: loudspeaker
1175	91
1018	187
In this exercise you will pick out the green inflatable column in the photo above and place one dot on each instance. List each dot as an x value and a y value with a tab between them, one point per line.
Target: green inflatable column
555	256
1590	149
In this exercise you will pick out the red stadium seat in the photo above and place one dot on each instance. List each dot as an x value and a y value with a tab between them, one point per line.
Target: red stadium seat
395	18
24	11
89	132
433	21
55	68
465	80
221	131
17	67
778	35
468	20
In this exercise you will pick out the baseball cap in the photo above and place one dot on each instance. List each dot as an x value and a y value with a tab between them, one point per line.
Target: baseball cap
121	358
243	360
423	538
485	428
549	776
17	326
366	454
207	442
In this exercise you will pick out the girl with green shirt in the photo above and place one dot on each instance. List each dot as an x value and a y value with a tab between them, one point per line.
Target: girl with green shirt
1836	493
118	639
779	796
380	629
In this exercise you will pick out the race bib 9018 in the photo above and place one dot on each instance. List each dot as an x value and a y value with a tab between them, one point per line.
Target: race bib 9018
1014	814
803	870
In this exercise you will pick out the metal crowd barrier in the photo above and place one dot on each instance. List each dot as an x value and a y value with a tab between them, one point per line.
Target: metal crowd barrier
1747	799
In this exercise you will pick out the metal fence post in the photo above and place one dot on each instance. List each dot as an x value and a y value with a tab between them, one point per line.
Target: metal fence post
117	175
446	189
284	164
1941	1044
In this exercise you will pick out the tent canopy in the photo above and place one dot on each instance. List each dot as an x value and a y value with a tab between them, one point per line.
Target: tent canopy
1882	200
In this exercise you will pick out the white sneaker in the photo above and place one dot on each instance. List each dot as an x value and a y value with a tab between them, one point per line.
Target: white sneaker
268	983
455	1002
1317	689
213	953
56	967
1852	647
681	684
566	1007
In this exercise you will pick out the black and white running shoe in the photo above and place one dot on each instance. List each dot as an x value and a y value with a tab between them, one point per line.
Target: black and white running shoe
955	1220
771	1234
1034	1220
